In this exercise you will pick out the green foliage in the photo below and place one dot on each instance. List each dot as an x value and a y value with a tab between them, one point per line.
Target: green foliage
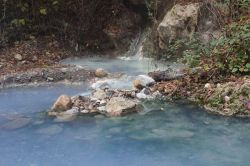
190	50
229	54
194	51
232	52
72	21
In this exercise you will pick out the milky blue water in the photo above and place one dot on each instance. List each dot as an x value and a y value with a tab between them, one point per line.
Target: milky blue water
165	134
129	65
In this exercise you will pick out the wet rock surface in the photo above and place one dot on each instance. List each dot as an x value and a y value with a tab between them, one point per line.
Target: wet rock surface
166	75
118	106
63	103
142	81
107	101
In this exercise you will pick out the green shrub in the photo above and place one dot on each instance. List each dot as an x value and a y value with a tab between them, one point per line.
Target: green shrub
232	51
229	54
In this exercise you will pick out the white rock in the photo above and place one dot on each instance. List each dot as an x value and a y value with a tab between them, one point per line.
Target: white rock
218	85
18	57
142	81
144	96
208	86
93	99
102	108
141	96
227	98
84	111
50	79
103	102
72	111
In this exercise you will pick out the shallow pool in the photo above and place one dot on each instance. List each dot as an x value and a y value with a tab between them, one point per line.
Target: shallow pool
129	65
164	134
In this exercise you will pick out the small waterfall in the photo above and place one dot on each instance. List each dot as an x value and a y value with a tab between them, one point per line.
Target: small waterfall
135	51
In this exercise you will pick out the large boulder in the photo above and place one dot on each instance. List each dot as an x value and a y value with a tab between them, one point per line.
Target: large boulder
63	103
182	21
118	106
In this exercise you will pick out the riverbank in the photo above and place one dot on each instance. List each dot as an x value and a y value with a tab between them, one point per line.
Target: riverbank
228	96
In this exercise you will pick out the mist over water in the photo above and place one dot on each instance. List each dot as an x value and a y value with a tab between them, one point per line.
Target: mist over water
127	65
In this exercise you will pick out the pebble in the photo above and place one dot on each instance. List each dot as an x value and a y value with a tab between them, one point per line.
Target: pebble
84	111
18	57
227	98
50	79
208	86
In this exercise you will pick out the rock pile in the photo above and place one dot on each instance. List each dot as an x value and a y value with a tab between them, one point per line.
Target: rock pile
110	102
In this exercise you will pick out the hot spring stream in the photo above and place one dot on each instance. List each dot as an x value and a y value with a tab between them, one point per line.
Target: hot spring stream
165	134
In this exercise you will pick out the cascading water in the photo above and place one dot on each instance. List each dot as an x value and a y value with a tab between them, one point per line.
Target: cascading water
130	64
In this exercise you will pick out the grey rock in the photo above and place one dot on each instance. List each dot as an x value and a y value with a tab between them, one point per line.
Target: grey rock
182	21
166	75
118	106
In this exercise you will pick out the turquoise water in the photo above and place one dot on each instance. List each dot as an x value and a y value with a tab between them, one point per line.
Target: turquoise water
165	134
129	65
